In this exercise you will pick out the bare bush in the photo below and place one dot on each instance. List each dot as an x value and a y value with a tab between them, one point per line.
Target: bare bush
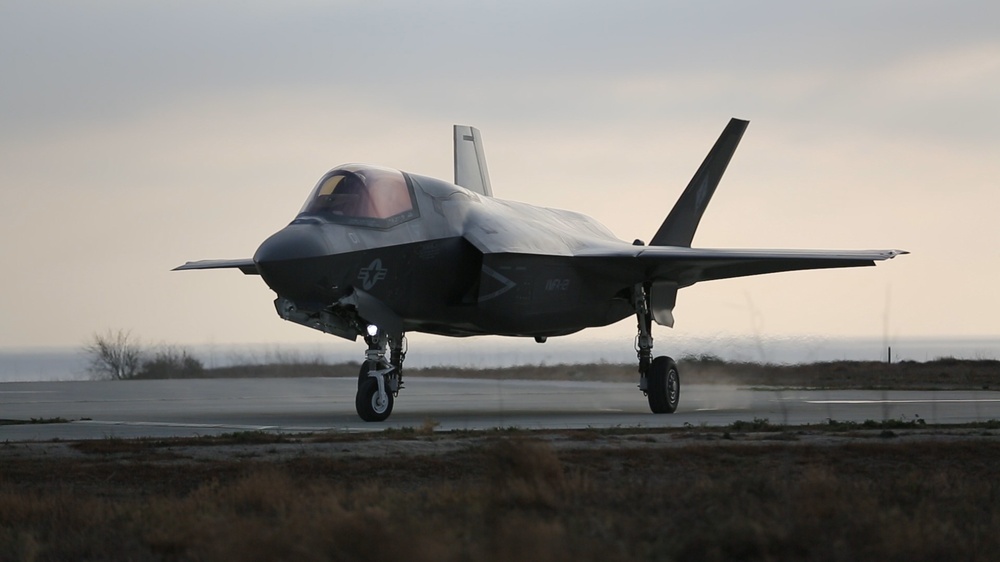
118	355
114	355
171	362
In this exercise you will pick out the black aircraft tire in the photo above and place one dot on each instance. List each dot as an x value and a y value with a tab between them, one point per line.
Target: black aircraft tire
363	374
366	402
664	385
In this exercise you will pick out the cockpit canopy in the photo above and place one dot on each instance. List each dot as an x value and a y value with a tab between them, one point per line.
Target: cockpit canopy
362	195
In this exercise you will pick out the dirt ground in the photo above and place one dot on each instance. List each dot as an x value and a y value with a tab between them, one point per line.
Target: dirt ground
750	491
887	490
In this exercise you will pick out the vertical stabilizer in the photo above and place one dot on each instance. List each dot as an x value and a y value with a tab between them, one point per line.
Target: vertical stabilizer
470	161
679	227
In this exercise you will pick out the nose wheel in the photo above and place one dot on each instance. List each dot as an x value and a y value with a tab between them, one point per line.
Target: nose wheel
373	404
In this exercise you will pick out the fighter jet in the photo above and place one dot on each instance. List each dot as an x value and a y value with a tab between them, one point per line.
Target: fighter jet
376	252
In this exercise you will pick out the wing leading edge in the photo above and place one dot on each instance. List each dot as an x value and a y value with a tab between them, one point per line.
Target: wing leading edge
247	266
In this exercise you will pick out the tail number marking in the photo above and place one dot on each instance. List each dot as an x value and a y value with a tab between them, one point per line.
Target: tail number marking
557	285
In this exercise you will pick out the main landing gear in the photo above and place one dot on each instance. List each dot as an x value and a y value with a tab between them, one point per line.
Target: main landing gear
658	378
380	380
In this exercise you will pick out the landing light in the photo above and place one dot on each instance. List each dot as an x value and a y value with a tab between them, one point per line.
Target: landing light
372	330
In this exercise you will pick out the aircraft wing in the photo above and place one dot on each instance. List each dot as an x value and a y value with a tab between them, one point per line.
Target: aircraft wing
669	268
247	266
687	266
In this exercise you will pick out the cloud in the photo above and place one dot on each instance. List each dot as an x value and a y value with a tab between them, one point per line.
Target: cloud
139	135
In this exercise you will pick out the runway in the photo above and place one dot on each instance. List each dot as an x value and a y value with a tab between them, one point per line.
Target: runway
167	408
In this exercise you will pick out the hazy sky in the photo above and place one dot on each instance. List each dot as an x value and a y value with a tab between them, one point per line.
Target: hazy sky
135	136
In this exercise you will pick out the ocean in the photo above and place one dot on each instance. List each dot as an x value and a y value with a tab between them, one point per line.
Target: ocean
58	364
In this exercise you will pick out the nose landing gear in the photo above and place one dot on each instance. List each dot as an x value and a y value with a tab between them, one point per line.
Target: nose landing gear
380	380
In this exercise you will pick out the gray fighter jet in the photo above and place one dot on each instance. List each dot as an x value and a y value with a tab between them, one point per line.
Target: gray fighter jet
377	252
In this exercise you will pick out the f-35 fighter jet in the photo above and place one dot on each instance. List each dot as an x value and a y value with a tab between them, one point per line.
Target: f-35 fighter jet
376	253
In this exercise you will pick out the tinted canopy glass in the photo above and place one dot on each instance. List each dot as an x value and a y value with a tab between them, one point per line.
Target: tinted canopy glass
363	195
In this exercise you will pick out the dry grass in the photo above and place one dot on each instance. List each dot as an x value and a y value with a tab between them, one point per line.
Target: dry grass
516	499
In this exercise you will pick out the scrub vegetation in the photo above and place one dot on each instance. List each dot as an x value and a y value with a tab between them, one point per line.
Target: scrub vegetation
939	374
692	494
120	355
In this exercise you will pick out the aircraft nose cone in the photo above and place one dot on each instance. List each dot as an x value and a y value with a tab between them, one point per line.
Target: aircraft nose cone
294	242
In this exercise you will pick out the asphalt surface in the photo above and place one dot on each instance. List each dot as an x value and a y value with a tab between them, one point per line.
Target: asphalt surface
167	408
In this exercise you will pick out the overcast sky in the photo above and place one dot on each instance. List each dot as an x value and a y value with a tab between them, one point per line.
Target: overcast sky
135	136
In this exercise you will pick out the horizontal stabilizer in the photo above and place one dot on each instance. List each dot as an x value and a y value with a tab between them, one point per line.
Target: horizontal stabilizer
679	227
470	161
247	266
